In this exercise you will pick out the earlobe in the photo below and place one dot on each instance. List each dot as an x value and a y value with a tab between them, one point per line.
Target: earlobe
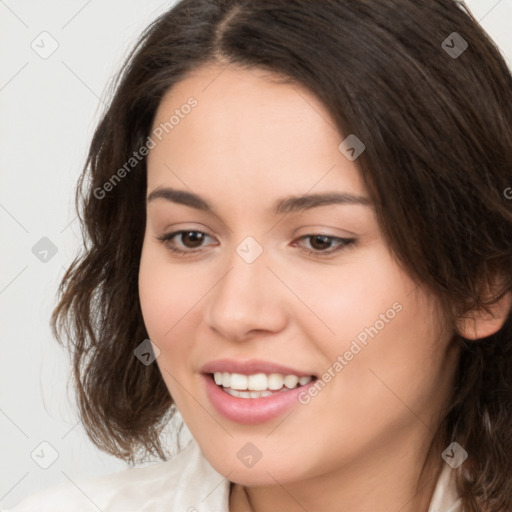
479	323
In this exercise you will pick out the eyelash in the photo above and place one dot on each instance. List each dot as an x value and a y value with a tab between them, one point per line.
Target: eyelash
343	243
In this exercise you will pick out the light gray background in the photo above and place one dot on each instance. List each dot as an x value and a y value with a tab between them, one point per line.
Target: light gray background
49	108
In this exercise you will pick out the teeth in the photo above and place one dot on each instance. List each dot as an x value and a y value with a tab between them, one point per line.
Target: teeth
247	394
258	382
275	381
238	381
291	381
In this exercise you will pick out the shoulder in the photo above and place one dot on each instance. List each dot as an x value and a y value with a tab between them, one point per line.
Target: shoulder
186	482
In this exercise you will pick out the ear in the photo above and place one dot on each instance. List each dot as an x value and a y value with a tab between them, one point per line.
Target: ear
478	323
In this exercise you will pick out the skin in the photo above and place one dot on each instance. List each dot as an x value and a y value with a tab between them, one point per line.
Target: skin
360	443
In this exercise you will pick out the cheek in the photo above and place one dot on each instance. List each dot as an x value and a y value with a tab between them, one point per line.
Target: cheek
167	296
390	363
352	299
167	293
387	331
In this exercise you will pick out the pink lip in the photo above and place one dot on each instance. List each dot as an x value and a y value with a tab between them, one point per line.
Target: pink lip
251	367
250	411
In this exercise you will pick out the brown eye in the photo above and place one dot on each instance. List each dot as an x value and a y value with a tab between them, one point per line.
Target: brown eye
184	241
321	245
320	242
192	239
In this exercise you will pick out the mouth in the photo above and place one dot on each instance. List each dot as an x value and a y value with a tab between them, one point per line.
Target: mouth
258	385
254	398
253	392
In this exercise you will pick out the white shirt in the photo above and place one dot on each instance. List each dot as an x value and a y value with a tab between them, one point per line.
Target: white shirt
185	483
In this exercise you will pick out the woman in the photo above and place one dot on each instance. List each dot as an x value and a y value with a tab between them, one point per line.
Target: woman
299	235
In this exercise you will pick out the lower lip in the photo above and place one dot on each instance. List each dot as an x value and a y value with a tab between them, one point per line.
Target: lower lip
250	411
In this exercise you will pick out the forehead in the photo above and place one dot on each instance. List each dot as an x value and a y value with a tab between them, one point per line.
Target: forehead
249	136
238	102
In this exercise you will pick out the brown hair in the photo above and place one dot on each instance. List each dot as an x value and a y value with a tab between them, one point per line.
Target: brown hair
438	160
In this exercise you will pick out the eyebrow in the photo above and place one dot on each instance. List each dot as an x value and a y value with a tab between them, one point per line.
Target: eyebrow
284	205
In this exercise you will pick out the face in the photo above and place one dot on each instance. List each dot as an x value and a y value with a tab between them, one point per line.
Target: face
325	352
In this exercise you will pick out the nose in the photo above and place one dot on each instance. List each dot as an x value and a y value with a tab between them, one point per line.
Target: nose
248	300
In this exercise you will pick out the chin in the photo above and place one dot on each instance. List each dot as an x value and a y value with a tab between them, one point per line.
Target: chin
264	471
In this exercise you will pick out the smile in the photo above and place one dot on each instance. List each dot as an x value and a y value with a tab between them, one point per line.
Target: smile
257	385
254	391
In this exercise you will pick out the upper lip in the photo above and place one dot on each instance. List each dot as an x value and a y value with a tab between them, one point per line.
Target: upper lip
250	367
